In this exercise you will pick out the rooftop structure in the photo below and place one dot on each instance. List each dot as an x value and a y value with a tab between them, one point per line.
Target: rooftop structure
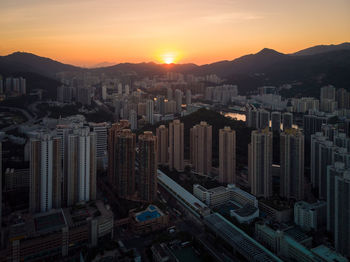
196	206
240	241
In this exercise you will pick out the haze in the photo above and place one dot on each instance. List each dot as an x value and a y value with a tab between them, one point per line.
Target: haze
88	32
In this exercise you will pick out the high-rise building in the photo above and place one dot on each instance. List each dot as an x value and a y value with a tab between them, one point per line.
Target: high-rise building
80	179
146	180
1	136
328	99
160	105
310	215
113	132
253	118
188	97
338	206
201	148
328	92
176	145
150	111
64	94
321	156
163	145
287	121
100	129
133	119
292	164
120	89
45	173
125	146
260	162
178	100
169	93
84	96
264	119
227	156
170	107
276	122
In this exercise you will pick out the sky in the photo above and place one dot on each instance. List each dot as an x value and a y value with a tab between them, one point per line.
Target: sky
88	32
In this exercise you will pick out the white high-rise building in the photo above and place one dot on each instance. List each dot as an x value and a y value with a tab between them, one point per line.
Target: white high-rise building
45	173
100	129
81	176
150	111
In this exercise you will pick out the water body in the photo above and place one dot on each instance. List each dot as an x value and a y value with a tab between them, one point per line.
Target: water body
242	117
237	116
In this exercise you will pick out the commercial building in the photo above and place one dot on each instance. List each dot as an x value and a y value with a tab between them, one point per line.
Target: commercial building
222	195
163	145
176	146
260	162
227	156
45	173
310	216
292	164
201	148
146	179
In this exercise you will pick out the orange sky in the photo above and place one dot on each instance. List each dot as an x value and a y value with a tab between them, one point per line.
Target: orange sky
87	32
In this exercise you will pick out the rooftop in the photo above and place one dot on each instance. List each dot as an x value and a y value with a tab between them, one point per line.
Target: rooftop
328	254
239	239
180	191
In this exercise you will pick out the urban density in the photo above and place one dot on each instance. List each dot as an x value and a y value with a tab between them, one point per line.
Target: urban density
242	160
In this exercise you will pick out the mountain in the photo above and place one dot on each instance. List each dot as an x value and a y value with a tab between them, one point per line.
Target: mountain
146	69
322	49
27	62
308	69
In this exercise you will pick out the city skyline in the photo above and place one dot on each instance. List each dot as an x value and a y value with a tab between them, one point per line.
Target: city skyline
180	32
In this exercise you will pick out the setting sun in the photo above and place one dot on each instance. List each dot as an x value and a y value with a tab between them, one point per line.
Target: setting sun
168	58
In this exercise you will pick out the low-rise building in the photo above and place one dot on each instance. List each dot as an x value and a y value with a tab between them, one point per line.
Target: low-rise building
148	220
310	215
55	233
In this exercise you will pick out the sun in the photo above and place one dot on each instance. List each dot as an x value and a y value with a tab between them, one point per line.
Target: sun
169	58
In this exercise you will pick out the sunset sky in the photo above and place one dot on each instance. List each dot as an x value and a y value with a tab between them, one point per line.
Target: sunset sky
88	32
